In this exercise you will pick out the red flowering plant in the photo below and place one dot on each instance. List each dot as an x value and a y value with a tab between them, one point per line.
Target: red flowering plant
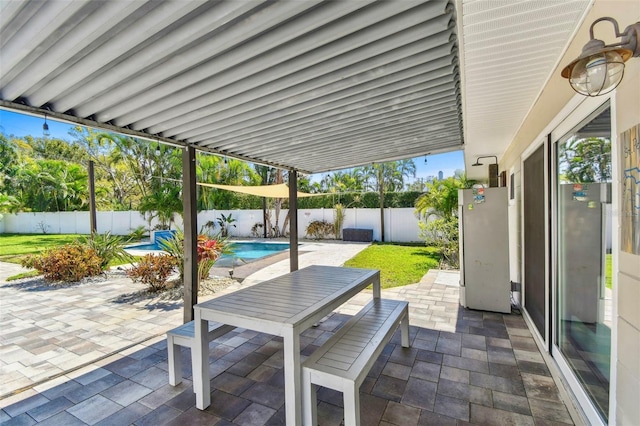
209	250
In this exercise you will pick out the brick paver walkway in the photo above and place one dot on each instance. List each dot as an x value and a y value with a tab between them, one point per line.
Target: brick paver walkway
463	366
45	331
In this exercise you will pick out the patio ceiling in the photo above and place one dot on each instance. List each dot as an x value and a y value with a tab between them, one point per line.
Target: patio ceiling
509	50
305	85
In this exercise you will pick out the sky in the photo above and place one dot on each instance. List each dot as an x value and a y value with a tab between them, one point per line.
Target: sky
12	123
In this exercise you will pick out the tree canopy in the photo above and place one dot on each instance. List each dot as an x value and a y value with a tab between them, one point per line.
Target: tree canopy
50	174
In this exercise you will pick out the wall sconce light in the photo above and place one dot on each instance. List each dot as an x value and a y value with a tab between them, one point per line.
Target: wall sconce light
478	163
45	128
600	68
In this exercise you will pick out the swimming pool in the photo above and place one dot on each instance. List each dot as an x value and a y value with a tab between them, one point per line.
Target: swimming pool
243	252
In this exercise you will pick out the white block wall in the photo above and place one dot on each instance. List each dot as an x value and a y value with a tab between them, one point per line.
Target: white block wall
401	224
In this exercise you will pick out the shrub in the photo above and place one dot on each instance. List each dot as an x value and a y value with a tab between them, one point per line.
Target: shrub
174	246
68	263
442	233
210	248
137	234
154	271
108	247
319	229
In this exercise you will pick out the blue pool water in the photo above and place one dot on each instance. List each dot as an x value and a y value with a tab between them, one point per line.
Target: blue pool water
242	252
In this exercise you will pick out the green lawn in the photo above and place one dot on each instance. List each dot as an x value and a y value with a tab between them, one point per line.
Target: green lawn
398	264
14	246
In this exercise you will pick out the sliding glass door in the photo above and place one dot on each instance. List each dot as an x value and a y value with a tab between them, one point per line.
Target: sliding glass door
583	264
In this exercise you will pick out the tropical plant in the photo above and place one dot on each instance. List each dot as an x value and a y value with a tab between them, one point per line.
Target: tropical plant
257	230
210	248
50	185
441	197
438	210
174	246
68	263
8	204
388	177
138	233
226	223
154	271
352	180
214	169
338	220
208	227
163	204
131	168
108	247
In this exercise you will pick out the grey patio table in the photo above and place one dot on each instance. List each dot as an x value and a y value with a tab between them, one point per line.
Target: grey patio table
284	306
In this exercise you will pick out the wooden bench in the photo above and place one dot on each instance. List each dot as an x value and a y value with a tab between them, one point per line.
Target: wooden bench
343	362
184	336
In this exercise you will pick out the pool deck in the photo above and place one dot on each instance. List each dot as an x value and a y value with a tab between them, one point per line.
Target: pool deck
51	331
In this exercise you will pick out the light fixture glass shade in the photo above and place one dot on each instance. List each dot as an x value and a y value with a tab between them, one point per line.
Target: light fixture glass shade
597	74
45	130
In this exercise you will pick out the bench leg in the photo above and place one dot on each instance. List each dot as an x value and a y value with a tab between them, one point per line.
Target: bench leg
404	325
200	362
175	362
352	406
309	401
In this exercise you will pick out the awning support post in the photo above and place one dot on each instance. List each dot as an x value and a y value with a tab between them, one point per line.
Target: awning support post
190	211
293	220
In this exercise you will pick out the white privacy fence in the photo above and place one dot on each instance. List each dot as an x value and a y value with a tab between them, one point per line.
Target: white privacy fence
401	224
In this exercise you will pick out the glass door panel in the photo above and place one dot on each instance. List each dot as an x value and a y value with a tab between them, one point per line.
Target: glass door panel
584	298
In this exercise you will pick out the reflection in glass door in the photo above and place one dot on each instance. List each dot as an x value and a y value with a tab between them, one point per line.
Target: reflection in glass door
584	255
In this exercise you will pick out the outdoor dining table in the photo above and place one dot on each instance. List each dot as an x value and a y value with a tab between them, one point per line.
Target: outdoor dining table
284	306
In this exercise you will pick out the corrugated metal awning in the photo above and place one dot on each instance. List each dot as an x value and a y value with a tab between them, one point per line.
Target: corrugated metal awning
305	85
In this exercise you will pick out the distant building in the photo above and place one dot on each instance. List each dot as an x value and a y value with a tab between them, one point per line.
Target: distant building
440	175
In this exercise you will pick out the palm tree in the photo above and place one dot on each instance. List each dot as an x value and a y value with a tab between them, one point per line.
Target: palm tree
163	203
441	197
8	204
388	177
441	201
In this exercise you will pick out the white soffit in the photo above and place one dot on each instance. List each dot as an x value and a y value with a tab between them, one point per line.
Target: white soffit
510	49
306	85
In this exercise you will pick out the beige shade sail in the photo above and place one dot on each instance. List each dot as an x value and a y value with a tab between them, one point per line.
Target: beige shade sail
272	191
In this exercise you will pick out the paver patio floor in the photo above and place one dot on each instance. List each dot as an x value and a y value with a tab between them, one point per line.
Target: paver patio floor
463	367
